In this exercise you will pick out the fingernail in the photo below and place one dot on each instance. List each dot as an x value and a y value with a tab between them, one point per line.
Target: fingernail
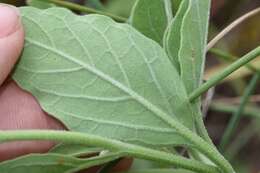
9	20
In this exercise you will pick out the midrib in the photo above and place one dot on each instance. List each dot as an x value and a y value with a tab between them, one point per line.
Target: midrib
148	105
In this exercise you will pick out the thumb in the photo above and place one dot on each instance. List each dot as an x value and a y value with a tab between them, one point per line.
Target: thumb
11	39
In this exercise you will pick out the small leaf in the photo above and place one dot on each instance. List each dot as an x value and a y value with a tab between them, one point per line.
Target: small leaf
160	171
40	4
113	82
151	17
52	163
95	4
172	40
192	51
185	41
74	150
119	7
176	5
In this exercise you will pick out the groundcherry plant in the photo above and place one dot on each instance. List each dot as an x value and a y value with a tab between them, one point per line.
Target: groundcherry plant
122	87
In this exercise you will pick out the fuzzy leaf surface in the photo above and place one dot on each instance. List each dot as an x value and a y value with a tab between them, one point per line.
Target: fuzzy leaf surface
151	18
192	51
54	163
159	171
39	4
172	40
185	41
101	77
175	5
74	150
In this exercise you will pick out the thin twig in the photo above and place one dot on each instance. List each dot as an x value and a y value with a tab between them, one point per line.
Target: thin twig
222	75
231	26
230	58
207	101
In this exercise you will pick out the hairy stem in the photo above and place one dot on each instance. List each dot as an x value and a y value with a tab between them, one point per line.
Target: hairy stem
85	9
113	145
222	75
230	58
233	123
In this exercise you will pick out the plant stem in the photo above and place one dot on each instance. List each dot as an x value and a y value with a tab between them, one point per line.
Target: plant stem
113	145
222	75
233	123
230	58
231	26
223	55
200	127
85	9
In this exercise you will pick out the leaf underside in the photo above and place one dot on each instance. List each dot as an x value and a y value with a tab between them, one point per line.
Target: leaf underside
75	150
185	41
160	171
101	77
175	5
52	163
192	51
172	38
150	18
39	4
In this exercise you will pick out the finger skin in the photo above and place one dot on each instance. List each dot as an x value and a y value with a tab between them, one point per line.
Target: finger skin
19	109
11	39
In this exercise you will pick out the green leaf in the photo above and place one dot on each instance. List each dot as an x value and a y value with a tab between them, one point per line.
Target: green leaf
95	4
140	164
119	7
172	40
40	4
54	163
180	35
159	171
193	43
176	5
185	41
151	18
113	82
74	149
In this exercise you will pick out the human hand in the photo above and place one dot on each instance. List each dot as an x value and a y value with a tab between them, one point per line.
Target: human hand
19	109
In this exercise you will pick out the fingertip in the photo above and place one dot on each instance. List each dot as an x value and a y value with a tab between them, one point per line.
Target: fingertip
11	39
10	19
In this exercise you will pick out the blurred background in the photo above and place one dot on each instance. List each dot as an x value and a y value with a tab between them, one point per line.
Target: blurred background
244	149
